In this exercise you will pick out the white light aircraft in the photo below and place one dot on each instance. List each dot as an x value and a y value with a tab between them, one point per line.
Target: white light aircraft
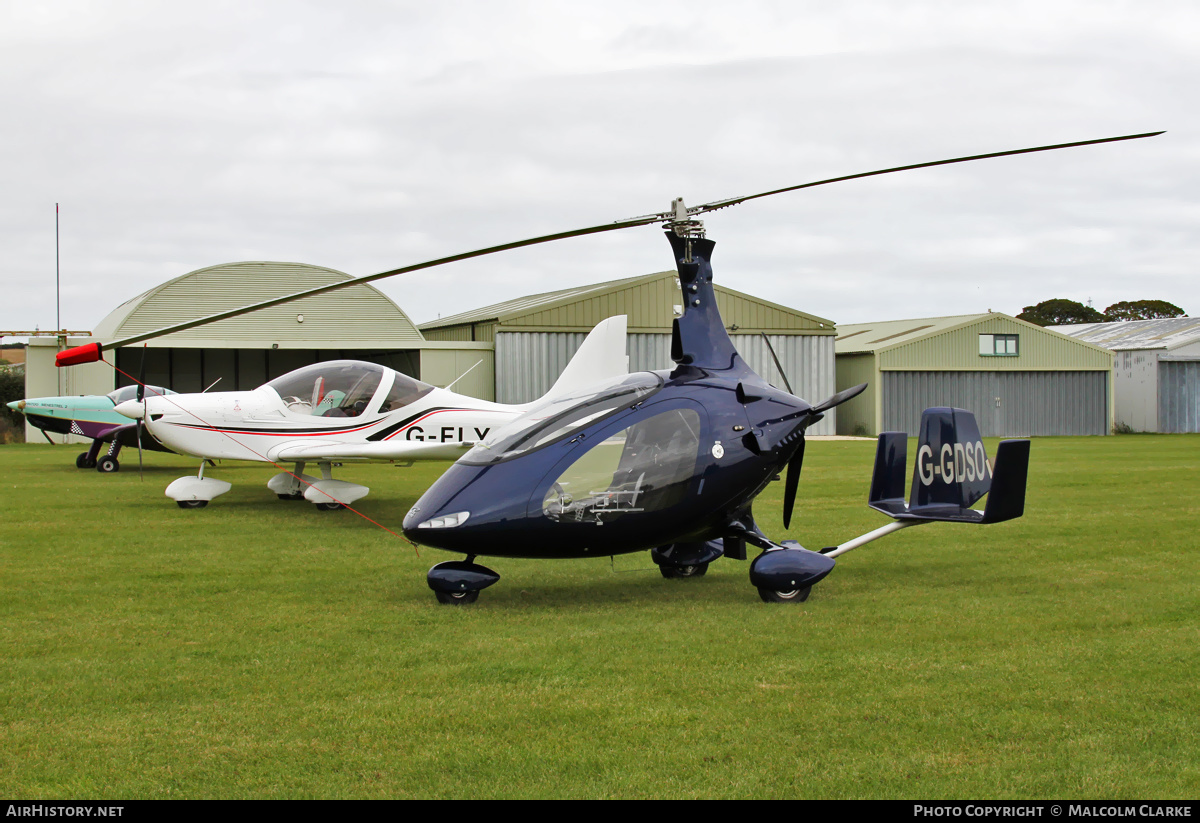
341	411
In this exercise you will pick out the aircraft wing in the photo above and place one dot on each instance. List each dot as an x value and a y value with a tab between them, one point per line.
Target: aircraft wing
382	450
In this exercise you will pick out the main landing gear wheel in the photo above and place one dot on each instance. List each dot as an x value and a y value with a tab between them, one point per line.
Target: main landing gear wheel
790	596
83	462
192	504
107	465
695	570
456	598
329	507
293	496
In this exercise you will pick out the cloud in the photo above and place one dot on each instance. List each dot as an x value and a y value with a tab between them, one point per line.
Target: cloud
368	136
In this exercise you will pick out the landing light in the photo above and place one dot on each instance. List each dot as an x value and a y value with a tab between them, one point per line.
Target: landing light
447	521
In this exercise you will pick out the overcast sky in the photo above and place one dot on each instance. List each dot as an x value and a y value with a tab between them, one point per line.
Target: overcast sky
364	136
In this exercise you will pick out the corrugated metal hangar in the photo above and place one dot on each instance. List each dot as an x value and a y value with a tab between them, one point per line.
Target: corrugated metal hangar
1156	372
1018	378
358	322
535	336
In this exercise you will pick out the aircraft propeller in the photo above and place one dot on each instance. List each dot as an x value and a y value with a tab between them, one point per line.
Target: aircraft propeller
792	482
141	399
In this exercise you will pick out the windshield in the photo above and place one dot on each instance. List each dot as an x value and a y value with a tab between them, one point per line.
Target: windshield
404	390
130	393
642	468
561	416
338	388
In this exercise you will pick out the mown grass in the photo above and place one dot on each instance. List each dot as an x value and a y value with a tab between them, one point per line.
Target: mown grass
257	648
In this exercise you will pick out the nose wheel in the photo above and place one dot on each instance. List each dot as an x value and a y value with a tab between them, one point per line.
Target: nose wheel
458	582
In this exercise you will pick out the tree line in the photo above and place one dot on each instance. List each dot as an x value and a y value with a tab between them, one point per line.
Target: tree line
1062	312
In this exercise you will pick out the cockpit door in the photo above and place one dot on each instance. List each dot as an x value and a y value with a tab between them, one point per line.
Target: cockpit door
645	461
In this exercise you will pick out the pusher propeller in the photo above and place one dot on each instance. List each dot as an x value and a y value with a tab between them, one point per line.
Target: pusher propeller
791	483
797	459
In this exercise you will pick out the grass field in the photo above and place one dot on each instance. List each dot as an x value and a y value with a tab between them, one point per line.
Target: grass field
258	648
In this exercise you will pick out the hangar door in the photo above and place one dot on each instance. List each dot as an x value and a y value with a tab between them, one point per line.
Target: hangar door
1179	395
1006	404
195	370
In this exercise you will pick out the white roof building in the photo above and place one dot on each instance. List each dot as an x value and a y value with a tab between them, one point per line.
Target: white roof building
1156	371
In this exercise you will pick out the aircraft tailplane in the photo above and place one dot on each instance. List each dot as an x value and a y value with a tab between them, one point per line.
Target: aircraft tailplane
952	473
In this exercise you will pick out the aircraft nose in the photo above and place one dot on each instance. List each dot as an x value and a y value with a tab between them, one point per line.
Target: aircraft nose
133	409
17	405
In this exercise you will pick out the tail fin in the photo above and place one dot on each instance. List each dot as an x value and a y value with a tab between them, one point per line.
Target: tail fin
952	473
601	357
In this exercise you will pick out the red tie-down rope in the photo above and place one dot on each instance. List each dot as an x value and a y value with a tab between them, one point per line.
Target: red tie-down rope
262	457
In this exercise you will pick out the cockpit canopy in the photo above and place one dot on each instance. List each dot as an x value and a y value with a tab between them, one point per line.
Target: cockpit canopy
558	417
346	388
130	393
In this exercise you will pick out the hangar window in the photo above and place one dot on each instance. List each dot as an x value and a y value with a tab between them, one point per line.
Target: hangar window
999	345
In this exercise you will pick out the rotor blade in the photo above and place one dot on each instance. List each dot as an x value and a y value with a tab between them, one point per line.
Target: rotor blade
91	352
733	201
139	442
441	261
792	481
778	365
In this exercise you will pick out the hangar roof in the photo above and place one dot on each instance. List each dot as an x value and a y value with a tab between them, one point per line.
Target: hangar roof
1170	333
953	344
867	337
350	318
648	300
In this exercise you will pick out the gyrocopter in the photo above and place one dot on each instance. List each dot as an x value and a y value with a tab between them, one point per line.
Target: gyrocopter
671	461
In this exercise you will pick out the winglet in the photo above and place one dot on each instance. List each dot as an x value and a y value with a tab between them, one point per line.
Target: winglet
80	354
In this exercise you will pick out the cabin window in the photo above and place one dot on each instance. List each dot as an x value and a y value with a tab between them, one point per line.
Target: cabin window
999	345
337	388
645	467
